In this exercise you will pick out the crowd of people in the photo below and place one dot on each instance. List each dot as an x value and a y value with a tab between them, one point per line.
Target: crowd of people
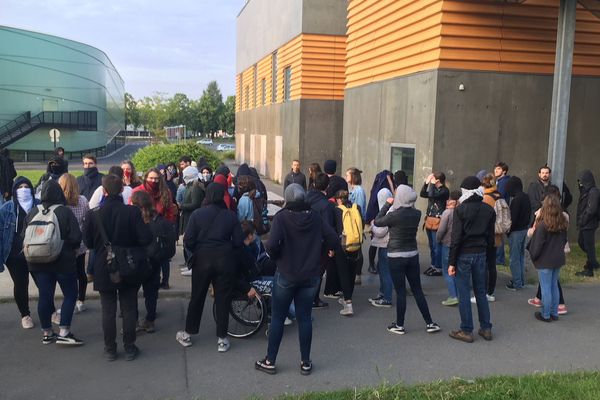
126	226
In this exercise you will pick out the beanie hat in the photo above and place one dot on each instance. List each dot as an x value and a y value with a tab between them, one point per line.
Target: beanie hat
481	174
470	183
329	167
294	193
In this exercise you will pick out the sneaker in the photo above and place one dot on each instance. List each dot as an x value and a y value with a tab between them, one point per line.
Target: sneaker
27	322
511	286
56	317
69	340
398	330
186	273
146	326
358	280
165	285
341	301
223	345
110	355
306	367
490	298
435	272
287	321
429	270
184	268
485	333
265	365
339	293
331	296
79	306
450	301
372	269
131	352
381	303
562	309
48	339
586	273
538	315
372	299
535	302
462	336
319	305
347	311
89	277
183	338
432	328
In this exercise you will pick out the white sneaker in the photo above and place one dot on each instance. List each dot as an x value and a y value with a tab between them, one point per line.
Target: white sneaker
347	310
187	273
183	338
287	321
79	306
490	297
223	345
183	269
341	301
27	322
56	317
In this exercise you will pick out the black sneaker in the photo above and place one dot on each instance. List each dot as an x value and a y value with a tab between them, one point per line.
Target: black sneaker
68	340
372	269
433	328
586	272
265	365
435	272
131	352
428	271
394	328
317	305
511	286
306	367
48	339
110	355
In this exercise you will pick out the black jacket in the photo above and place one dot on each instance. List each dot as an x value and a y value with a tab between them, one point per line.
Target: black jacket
124	227
336	183
69	230
213	229
520	206
472	229
319	203
547	249
296	238
437	198
293	177
537	192
587	207
403	224
192	200
89	182
7	176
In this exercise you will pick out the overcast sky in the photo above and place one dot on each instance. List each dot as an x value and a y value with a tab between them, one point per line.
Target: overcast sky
166	46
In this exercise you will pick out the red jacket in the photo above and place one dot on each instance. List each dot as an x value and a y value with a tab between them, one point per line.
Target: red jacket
170	213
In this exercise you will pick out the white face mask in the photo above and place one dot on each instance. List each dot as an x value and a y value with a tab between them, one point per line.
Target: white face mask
206	177
25	198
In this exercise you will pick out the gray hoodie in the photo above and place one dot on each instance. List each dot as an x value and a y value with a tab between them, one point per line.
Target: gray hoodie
381	236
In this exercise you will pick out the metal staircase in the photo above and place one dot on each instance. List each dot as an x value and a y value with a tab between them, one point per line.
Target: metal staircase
24	124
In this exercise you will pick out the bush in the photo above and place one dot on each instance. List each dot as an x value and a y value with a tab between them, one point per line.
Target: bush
151	156
229	155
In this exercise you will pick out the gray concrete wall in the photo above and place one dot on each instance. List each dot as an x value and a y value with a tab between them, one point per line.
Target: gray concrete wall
326	17
321	131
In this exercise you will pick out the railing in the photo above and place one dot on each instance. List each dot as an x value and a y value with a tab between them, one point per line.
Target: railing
15	123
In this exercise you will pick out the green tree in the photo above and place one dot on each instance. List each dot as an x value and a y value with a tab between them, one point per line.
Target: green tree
228	115
177	110
211	108
132	113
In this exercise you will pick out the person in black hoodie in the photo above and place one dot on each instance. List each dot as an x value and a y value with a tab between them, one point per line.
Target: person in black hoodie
435	191
520	215
63	270
260	186
60	152
587	219
91	178
336	182
54	169
7	174
295	176
124	227
295	243
472	244
215	231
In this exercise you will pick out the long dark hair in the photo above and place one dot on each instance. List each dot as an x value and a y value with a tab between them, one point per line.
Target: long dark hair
313	170
165	193
143	201
134	179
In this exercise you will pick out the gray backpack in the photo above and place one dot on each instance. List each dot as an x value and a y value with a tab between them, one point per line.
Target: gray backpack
42	243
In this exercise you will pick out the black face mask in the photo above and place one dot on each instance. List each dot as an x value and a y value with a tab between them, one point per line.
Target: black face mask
89	171
55	169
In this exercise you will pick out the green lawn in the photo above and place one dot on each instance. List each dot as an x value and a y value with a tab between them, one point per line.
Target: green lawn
34	175
546	386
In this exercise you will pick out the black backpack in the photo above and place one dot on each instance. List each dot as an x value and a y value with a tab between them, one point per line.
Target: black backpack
163	245
261	217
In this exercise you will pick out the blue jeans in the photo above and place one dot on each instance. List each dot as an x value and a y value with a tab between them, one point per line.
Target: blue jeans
435	249
450	283
302	294
385	279
516	242
472	268
46	283
550	294
500	256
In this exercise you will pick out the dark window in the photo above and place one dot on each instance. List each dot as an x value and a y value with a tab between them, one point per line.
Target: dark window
263	85
274	78
287	83
403	158
247	97
255	103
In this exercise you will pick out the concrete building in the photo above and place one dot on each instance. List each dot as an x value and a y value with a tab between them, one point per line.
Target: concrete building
50	82
289	83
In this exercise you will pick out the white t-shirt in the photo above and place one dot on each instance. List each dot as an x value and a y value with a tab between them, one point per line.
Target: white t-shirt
99	193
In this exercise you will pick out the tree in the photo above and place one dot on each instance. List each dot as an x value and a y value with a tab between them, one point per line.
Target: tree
178	110
210	108
132	113
228	115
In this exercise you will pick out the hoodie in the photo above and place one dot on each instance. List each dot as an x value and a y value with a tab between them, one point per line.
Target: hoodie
89	182
296	238
402	221
589	197
319	203
520	206
70	233
380	235
55	168
381	181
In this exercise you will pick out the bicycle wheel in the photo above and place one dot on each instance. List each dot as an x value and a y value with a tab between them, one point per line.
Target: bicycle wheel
246	316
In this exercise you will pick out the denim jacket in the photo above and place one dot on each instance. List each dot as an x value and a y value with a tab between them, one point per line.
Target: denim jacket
8	222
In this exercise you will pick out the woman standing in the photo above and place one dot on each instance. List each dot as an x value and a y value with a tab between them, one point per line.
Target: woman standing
357	196
313	170
379	240
437	193
403	255
12	223
130	176
547	253
214	230
79	205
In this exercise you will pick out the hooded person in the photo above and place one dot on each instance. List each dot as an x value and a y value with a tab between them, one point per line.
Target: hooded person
402	220
193	195
379	241
382	180
7	175
60	153
336	182
222	180
206	174
294	244
587	219
54	169
12	223
62	270
520	215
260	186
472	242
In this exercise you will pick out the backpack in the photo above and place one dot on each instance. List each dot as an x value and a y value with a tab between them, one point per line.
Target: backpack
42	243
163	245
503	221
352	234
261	215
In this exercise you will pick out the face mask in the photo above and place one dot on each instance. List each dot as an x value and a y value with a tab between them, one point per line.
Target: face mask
88	171
55	169
25	198
153	186
206	177
127	174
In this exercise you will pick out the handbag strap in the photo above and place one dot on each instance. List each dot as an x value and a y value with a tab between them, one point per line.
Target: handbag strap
103	234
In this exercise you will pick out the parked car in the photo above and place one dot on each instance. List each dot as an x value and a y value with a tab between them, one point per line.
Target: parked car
206	142
226	147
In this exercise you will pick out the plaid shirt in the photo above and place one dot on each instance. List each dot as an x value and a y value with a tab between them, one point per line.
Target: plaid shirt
80	210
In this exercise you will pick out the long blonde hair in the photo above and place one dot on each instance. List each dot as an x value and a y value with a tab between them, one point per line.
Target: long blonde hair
552	214
70	188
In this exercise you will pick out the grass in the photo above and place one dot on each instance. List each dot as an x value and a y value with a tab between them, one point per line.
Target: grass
575	261
34	175
543	386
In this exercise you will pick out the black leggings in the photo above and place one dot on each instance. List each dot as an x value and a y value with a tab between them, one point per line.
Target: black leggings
492	274
561	299
402	269
81	277
372	254
347	267
19	273
332	283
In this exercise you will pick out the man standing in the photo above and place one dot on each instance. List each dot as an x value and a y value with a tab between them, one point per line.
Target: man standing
91	178
472	242
7	175
295	176
520	215
587	220
501	175
537	190
336	182
60	152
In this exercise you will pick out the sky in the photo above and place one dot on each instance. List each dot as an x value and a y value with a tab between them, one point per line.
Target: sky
165	46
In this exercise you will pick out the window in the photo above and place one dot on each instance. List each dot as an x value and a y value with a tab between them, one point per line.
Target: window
263	85
255	103
287	81
274	78
247	97
403	158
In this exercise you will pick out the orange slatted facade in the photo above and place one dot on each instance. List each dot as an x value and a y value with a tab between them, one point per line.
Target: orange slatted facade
238	97
265	71
289	55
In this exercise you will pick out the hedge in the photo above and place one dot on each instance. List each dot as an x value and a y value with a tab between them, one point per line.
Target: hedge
151	156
